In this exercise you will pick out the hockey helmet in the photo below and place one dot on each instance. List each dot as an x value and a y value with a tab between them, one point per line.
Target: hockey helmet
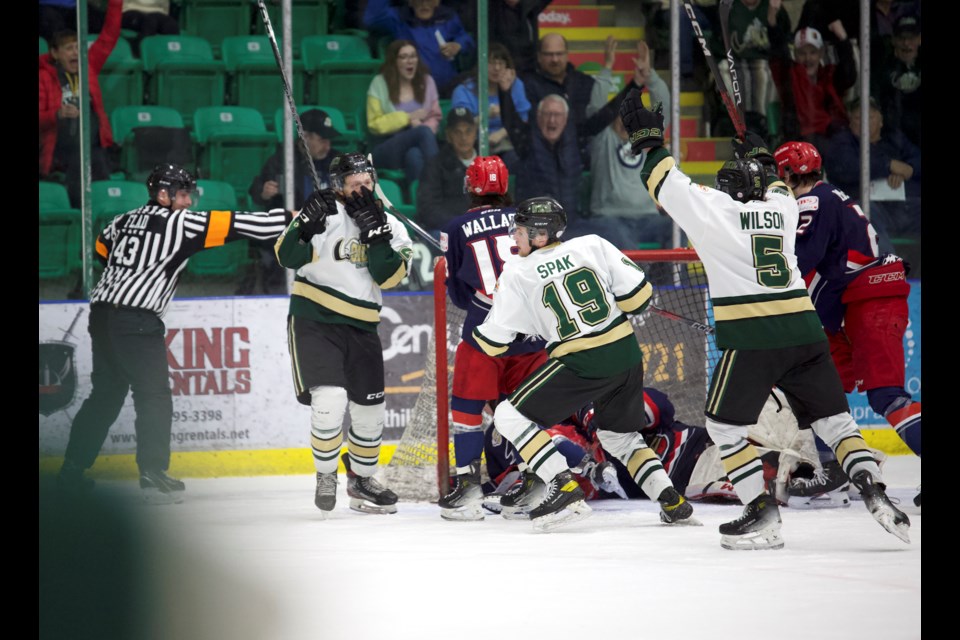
171	178
800	158
542	214
487	175
347	164
742	180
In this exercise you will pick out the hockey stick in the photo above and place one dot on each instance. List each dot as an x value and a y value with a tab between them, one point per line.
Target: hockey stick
413	225
693	324
732	109
725	6
289	93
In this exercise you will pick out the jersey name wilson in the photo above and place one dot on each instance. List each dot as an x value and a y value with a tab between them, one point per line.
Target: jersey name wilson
756	220
487	223
555	266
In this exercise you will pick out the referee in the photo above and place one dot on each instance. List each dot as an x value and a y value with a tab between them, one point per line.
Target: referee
144	252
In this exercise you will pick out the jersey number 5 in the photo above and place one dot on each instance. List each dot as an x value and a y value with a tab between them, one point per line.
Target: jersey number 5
585	292
771	264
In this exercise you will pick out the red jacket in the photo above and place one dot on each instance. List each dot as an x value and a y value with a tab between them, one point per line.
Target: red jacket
51	94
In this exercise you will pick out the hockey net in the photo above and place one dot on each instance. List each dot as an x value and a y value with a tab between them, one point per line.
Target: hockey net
675	335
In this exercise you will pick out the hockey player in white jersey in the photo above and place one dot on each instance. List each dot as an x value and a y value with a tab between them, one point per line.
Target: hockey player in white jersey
576	295
346	249
744	232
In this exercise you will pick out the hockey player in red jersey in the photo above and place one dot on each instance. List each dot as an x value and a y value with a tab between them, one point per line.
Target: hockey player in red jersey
860	295
476	246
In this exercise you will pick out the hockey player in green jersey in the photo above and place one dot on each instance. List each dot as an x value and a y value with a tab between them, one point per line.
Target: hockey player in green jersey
576	295
766	326
345	249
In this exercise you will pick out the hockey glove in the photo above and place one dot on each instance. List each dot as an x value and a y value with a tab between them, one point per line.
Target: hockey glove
644	126
368	213
313	216
754	146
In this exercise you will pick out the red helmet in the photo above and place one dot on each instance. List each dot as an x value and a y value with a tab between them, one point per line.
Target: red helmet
800	157
486	176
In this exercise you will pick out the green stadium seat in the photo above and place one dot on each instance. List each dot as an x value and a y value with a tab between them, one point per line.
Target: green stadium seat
253	77
340	61
214	20
182	73
44	47
233	144
309	18
59	233
124	120
110	198
121	80
394	194
225	260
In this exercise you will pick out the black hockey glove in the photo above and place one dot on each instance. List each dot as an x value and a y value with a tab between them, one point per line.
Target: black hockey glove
754	146
644	126
367	211
313	216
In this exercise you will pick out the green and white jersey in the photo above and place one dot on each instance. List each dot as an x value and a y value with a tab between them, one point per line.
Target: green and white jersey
339	279
575	295
759	297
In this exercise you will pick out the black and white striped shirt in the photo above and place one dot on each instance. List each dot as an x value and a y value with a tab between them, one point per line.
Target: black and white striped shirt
146	249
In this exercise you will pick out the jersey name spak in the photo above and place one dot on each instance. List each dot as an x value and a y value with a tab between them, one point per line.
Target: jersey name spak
487	223
756	220
554	266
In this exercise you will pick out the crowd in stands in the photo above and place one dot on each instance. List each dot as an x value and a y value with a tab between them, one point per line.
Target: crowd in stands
555	125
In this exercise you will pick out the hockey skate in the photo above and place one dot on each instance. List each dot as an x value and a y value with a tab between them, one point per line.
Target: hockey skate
825	488
674	509
72	482
602	475
563	504
159	488
521	498
465	502
880	507
367	495
757	528
326	495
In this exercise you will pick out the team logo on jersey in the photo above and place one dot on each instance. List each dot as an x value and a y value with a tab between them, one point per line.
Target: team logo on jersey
351	249
626	157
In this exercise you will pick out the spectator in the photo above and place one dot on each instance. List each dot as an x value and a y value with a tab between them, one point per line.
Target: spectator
753	25
550	165
894	174
884	15
503	84
437	32
60	105
148	18
810	89
897	83
441	196
585	95
621	210
265	192
61	15
403	111
516	24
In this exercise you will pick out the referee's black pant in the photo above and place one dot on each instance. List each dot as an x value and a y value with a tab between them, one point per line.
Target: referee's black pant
129	353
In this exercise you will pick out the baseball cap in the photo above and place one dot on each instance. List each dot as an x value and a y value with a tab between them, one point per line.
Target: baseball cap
317	121
808	35
906	24
458	115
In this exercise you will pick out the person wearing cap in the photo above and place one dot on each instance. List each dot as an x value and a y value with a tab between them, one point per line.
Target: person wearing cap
896	82
810	89
440	196
266	192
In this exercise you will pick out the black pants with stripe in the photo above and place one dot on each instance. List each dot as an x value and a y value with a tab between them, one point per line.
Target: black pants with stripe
554	392
129	353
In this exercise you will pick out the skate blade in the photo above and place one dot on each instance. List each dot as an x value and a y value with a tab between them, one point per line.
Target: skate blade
516	513
493	505
828	501
155	496
470	512
686	522
362	506
573	512
757	540
887	521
